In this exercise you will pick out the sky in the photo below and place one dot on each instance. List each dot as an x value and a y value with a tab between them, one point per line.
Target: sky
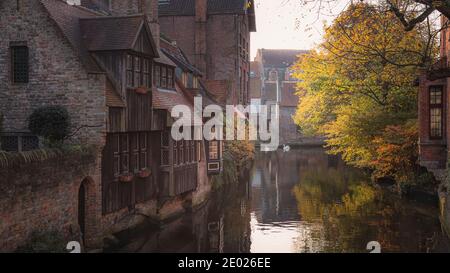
288	24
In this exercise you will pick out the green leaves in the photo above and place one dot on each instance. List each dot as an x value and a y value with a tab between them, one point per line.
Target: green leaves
50	122
358	85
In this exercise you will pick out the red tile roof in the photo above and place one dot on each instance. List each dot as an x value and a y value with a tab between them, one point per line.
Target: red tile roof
167	99
66	18
176	54
112	97
110	33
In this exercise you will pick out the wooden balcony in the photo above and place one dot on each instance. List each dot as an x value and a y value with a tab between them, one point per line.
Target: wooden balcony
178	179
439	70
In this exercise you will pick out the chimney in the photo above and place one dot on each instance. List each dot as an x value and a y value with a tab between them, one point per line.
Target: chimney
150	8
201	10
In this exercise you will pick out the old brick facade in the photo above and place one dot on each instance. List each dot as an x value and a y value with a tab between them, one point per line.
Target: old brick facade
272	82
221	46
98	61
434	129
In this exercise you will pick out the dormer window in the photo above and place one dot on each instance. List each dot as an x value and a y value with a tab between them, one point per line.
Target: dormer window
138	71
164	76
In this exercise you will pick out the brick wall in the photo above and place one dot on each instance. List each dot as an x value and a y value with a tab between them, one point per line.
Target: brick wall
432	152
52	63
43	196
222	56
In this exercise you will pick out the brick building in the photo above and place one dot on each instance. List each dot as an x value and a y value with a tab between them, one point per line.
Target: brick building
221	46
103	62
434	134
271	80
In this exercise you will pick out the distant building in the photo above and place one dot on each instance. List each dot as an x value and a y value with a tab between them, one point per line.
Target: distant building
271	81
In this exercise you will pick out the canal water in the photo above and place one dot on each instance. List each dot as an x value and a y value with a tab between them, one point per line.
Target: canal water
300	201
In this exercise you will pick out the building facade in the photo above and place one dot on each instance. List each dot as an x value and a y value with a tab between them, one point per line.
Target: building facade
221	47
434	134
272	81
101	60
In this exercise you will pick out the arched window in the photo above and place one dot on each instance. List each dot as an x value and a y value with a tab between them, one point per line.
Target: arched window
273	75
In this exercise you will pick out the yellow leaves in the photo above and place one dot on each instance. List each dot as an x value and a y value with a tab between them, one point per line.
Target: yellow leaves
357	90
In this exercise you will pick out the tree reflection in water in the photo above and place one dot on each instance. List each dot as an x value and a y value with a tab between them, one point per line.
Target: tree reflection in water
300	201
338	209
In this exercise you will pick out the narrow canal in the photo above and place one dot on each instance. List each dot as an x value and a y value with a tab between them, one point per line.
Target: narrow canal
303	200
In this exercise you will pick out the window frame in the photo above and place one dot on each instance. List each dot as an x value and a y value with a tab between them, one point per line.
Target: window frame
13	62
164	76
216	152
433	106
138	73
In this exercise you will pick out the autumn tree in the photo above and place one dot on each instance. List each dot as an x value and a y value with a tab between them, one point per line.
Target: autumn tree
359	82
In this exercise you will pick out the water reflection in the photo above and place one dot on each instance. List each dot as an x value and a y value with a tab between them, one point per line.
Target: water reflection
300	201
308	201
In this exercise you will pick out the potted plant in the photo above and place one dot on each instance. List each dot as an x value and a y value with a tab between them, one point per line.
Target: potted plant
143	173
141	90
126	178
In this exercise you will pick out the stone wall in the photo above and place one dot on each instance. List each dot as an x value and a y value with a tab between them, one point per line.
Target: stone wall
39	192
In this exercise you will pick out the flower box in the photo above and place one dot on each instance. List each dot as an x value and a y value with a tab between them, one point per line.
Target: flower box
126	178
141	90
144	173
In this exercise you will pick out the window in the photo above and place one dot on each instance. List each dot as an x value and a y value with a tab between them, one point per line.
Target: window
214	150
124	154
130	153
146	75
170	78
134	143
195	83
436	100
129	71
199	150
184	78
164	77
157	75
143	151
138	71
19	64
165	157
21	143
175	152
273	75
180	152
